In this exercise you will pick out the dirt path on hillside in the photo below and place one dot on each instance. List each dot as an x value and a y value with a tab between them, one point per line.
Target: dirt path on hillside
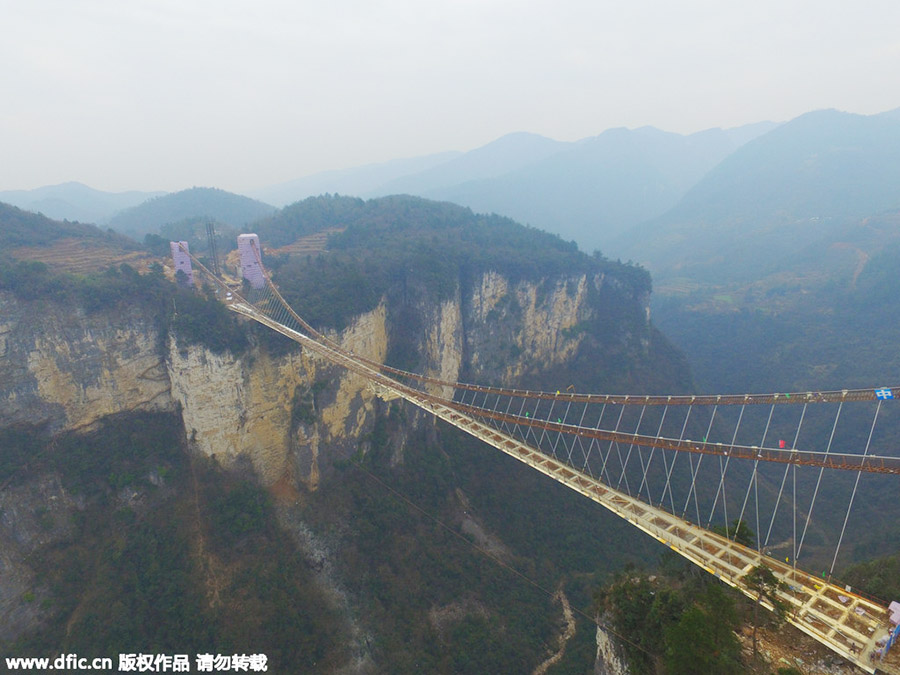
567	634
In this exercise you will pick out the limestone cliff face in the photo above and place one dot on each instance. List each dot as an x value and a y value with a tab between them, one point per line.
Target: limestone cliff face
610	660
275	412
513	328
66	369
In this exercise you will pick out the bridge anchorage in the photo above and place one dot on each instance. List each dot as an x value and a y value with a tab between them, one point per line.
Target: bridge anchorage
672	466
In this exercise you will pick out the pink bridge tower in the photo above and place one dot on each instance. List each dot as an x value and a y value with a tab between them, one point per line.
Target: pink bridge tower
182	260
251	257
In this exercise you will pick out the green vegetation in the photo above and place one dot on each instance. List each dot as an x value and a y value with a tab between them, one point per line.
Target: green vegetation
763	583
680	622
196	318
703	638
793	338
185	560
879	577
407	249
23	228
440	605
203	319
738	531
308	217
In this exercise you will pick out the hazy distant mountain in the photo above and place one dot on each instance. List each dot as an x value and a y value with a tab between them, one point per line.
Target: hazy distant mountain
358	181
799	184
506	154
594	189
218	205
827	317
75	201
776	272
588	190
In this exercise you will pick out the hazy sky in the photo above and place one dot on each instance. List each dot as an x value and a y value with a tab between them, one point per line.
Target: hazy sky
238	94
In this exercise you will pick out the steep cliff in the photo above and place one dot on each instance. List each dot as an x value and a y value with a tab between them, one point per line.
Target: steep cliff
64	368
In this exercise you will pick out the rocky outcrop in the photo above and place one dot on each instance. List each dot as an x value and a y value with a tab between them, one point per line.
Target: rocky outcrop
66	369
511	327
610	659
276	412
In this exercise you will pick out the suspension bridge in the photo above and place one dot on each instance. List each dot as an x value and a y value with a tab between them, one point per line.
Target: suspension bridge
688	470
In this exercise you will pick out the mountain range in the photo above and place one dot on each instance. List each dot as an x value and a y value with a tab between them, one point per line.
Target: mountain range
801	187
756	196
587	191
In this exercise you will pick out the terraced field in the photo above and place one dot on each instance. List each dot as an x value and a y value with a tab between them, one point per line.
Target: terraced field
310	244
83	256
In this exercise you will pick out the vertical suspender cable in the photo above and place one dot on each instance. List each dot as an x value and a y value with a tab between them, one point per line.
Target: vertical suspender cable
669	470
581	443
505	426
812	504
587	455
544	431
577	438
694	472
753	482
855	486
559	434
529	430
650	459
519	426
722	470
618	449
784	478
637	431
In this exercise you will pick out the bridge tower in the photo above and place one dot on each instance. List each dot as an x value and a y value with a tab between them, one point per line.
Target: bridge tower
181	258
251	260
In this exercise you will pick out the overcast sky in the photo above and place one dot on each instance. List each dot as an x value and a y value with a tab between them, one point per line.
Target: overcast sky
239	94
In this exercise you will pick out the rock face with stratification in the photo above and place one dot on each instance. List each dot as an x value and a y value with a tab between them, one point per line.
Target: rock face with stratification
65	369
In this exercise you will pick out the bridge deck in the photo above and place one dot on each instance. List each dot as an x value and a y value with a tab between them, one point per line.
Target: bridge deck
849	624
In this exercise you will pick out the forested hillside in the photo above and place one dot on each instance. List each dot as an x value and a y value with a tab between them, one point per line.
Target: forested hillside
805	184
211	203
24	228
